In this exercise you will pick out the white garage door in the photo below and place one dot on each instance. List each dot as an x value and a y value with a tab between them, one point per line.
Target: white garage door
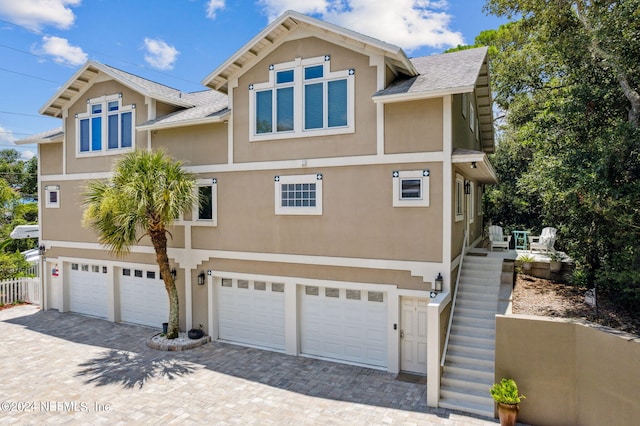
88	289
347	325
143	297
251	312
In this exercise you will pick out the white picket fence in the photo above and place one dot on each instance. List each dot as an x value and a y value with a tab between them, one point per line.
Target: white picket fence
20	289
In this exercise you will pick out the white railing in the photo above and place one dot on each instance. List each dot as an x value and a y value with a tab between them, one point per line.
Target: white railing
20	289
453	301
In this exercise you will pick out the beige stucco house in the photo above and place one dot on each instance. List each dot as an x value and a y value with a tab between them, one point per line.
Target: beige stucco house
333	170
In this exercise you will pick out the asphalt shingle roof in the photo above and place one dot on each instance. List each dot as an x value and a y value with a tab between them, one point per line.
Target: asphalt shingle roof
208	103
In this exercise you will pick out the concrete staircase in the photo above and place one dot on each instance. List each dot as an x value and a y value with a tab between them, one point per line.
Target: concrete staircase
470	361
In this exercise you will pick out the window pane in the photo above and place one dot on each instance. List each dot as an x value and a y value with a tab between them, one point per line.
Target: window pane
277	287
284	111
264	112
84	135
112	131
53	197
125	129
337	103
313	72
112	106
205	195
96	134
411	188
96	109
284	76
313	106
353	294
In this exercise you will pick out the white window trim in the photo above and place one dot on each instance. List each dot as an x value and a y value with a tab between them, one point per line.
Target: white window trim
293	179
399	176
104	100
479	200
213	183
49	189
472	117
472	195
298	131
465	103
459	198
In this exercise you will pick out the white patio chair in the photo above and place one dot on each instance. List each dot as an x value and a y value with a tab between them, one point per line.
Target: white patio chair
497	239
543	242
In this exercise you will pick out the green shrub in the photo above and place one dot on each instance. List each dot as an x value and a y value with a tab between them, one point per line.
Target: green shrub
506	392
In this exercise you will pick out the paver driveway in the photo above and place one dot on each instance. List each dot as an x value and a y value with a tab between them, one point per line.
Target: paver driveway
66	368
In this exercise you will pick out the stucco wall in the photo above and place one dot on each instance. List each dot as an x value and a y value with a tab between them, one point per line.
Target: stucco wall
413	126
50	156
463	136
572	372
194	145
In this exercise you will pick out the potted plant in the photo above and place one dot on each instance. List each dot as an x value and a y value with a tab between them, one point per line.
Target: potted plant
507	396
555	261
526	260
196	333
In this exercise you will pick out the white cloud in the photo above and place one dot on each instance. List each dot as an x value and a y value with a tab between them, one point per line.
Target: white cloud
34	14
213	6
159	54
410	24
27	155
6	135
62	51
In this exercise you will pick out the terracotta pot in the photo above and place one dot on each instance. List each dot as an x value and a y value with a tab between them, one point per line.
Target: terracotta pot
507	414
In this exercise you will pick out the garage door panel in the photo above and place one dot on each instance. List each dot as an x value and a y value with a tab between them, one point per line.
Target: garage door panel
143	298
348	327
88	293
251	314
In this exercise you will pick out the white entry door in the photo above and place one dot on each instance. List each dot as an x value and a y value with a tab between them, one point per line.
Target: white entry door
55	285
343	324
413	335
143	297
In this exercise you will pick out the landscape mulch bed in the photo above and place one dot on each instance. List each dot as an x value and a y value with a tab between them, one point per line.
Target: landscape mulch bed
537	296
11	305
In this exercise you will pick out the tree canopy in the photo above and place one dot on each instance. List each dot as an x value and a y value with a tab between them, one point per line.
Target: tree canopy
147	192
566	74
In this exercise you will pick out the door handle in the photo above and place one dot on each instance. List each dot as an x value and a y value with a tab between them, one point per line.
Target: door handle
401	333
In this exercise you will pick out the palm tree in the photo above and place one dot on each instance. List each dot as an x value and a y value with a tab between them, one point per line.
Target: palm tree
148	191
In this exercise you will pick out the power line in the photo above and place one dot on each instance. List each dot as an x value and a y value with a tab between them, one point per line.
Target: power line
26	115
30	76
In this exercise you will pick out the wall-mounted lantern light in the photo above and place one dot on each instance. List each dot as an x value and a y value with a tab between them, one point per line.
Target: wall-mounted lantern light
467	187
437	284
201	278
174	273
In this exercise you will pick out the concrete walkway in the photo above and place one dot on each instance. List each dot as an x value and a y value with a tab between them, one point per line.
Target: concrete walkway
66	368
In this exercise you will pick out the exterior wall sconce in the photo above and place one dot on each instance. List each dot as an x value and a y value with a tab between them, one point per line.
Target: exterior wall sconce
438	283
41	249
474	165
467	187
174	273
201	278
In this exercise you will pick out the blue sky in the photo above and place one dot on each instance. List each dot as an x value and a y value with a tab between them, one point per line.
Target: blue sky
179	42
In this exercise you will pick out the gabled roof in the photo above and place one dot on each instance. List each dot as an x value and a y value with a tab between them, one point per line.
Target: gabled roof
210	107
49	136
277	32
449	73
85	76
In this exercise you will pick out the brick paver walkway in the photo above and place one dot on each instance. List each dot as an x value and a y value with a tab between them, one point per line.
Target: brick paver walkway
66	368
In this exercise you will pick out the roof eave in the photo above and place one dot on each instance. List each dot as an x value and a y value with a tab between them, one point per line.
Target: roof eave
276	32
185	123
405	97
483	171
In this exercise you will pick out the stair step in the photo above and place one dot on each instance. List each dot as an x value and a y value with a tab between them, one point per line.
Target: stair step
488	305
463	330
476	396
467	407
474	313
467	359
472	342
470	370
489	324
483	297
475	351
461	380
480	288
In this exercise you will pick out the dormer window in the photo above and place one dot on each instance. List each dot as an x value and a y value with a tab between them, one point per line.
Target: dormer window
302	98
106	126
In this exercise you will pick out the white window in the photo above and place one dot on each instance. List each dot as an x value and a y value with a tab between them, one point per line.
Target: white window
206	211
477	130
459	198
302	98
411	188
479	198
298	195
106	126
52	194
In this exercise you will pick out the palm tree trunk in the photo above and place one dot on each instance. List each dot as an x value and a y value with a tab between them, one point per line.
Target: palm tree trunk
159	240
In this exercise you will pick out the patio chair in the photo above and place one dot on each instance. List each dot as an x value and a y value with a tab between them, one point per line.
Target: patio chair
545	241
497	239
